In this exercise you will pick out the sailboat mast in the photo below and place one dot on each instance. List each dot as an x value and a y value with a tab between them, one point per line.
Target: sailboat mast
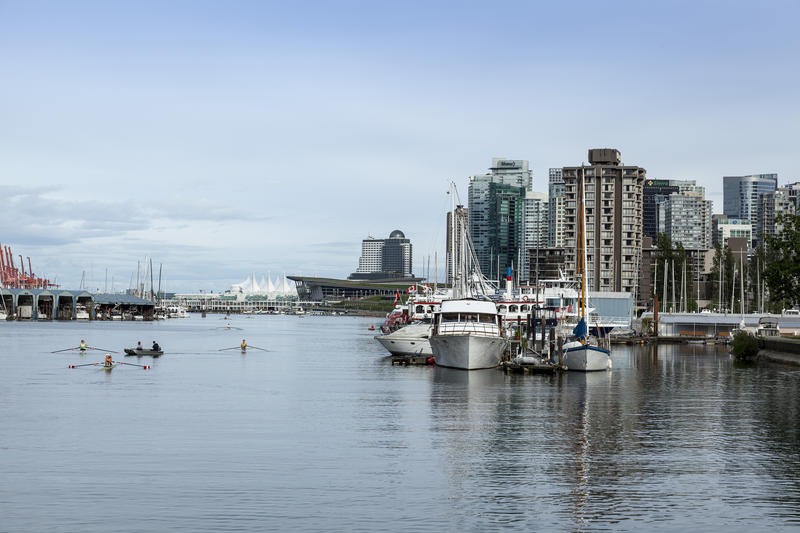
582	243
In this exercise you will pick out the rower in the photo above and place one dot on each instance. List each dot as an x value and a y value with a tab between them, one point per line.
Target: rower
244	345
108	362
139	346
83	346
229	325
156	347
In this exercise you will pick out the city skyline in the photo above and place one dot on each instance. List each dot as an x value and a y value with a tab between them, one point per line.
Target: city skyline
222	140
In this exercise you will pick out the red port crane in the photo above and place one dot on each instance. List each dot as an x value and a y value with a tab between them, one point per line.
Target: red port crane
12	277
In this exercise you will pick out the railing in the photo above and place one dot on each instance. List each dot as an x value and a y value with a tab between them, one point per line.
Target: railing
461	328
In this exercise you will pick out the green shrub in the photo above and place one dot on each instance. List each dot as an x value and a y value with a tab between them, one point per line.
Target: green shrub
744	346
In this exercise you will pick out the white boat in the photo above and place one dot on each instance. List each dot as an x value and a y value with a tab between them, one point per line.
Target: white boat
81	313
467	334
413	339
582	352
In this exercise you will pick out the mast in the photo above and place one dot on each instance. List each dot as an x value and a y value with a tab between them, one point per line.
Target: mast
666	276
582	244
435	269
741	281
674	308
733	290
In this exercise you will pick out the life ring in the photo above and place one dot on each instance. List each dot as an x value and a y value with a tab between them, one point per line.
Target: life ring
524	298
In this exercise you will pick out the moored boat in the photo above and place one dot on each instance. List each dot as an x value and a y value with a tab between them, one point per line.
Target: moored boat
142	352
413	339
467	334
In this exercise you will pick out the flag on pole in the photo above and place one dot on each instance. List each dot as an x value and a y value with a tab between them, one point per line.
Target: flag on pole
396	296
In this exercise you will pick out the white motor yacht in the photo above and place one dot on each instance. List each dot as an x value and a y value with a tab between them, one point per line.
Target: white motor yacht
467	334
413	339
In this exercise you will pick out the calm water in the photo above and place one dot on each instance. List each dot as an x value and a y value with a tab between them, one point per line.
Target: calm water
321	433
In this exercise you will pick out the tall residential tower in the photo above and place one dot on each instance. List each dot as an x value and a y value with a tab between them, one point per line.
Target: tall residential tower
613	220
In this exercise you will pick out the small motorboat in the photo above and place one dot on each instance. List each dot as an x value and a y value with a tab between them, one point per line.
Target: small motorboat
140	352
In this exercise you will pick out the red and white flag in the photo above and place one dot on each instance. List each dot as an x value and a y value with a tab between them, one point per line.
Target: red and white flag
396	296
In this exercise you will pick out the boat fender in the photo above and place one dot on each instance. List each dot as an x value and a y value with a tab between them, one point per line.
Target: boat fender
430	360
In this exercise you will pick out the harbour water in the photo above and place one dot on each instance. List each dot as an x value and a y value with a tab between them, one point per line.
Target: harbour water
321	433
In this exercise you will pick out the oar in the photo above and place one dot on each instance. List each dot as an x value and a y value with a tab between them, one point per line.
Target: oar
102	349
87	364
257	348
66	349
234	348
133	364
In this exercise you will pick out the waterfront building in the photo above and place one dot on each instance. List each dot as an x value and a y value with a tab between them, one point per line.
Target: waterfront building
371	259
613	220
496	212
741	196
725	228
384	258
458	236
772	205
535	228
555	209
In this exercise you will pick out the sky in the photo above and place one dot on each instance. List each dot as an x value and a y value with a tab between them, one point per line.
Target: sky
224	138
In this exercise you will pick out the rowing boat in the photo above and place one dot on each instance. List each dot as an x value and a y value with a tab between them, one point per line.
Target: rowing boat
109	368
139	353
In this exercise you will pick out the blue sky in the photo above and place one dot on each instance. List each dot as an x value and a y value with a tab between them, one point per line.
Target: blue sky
224	138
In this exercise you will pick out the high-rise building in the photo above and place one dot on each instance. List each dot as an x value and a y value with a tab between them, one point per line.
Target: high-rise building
653	194
794	194
613	220
371	259
555	208
688	219
455	235
741	196
772	205
385	258
534	228
496	212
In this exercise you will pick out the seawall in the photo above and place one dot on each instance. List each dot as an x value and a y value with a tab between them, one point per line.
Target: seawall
780	350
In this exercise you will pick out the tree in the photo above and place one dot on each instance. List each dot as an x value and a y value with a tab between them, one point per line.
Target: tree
782	273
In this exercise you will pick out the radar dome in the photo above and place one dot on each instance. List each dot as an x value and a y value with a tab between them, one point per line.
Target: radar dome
397	234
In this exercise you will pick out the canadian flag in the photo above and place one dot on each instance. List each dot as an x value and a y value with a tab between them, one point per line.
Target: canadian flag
411	289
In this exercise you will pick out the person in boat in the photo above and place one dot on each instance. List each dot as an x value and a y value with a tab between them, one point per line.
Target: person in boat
156	347
108	361
83	346
243	345
139	346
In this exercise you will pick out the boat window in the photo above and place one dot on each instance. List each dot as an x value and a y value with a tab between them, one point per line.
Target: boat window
523	308
449	317
430	309
419	309
501	309
512	308
486	318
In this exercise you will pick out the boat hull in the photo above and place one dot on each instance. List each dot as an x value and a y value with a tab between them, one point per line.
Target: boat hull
587	358
405	346
139	353
467	352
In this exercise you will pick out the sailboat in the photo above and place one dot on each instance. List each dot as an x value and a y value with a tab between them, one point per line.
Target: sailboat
582	352
467	330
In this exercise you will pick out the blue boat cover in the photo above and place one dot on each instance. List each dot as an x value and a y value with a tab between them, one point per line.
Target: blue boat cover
581	331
